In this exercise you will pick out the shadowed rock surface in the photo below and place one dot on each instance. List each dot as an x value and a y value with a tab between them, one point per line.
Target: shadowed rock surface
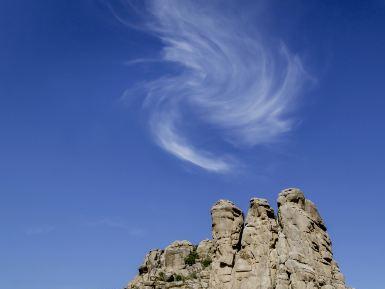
290	250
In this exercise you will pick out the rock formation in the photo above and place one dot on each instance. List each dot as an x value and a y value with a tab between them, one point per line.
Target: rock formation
263	251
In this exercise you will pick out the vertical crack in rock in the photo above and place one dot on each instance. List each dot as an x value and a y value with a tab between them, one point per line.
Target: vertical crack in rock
255	263
289	251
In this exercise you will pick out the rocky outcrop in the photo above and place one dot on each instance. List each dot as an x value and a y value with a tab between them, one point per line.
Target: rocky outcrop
227	224
256	261
304	247
290	250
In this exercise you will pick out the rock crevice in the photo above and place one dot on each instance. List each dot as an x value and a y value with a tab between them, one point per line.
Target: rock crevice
290	250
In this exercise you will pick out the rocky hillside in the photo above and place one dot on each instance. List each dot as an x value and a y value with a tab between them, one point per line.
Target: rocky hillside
290	250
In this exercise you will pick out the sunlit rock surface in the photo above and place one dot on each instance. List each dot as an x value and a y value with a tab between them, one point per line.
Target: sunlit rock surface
290	250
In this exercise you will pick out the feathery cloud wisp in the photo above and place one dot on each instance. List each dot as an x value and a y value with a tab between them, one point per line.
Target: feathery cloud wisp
229	76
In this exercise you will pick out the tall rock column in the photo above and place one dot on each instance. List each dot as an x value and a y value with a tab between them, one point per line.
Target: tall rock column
256	262
227	224
304	247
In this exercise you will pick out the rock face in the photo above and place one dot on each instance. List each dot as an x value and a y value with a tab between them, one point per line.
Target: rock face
263	251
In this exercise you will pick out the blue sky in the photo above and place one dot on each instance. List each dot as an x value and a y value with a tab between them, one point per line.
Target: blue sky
120	125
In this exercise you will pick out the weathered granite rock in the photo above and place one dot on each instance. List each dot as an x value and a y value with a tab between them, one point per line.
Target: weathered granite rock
175	254
255	264
227	224
289	251
306	253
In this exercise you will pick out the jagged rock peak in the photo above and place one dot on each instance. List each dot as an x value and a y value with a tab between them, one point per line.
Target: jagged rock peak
290	250
291	195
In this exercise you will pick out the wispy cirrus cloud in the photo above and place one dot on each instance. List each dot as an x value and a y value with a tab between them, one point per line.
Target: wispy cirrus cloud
229	76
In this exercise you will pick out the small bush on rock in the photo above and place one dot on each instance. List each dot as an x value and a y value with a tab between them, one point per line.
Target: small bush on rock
191	258
162	276
206	262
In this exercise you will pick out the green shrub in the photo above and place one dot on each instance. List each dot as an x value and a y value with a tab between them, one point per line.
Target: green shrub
178	277
206	262
162	276
191	258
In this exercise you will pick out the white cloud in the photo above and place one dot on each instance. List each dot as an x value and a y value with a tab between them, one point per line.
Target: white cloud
171	141
228	76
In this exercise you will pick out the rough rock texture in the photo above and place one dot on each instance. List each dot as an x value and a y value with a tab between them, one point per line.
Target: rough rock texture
227	226
263	251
